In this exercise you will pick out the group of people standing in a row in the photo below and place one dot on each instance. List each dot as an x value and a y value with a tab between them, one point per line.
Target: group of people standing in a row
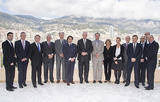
120	57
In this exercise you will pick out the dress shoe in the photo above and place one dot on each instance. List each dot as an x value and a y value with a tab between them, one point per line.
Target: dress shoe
105	81
124	81
64	81
68	84
143	84
148	88
72	82
58	81
13	87
35	86
40	83
116	82
94	81
109	81
25	84
136	86
81	82
127	84
20	86
9	89
100	82
87	82
52	81
45	81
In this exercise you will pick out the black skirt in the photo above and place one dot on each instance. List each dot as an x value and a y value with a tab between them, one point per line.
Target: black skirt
119	66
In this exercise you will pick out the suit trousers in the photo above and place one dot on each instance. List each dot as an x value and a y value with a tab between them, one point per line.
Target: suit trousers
97	69
48	66
22	72
10	74
83	66
36	71
132	65
60	62
69	71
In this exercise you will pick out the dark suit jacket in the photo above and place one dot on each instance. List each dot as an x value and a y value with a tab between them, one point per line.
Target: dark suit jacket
137	54
121	53
69	51
151	52
108	54
81	48
144	50
35	55
8	54
48	49
20	52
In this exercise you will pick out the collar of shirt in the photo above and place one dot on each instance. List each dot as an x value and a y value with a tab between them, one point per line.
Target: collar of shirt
24	41
9	42
48	42
69	44
151	42
37	43
135	44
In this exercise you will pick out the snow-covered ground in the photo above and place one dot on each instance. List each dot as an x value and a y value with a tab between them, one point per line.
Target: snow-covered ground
106	92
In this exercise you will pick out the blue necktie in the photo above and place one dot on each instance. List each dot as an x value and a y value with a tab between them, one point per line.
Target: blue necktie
39	49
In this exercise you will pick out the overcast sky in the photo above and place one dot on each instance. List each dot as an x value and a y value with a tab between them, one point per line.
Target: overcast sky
130	9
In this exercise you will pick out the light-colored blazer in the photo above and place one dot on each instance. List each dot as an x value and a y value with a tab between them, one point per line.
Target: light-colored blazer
98	50
58	48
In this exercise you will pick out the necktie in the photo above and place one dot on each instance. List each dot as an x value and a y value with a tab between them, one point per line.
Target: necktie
23	44
84	41
11	44
39	49
134	47
61	41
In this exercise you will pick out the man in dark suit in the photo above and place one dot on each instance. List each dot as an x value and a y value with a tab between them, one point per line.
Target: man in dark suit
35	55
48	49
9	61
84	49
142	63
70	53
134	53
151	57
127	38
22	52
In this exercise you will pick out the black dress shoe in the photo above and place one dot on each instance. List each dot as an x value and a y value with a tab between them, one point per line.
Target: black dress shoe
35	86
118	82
100	82
45	81
9	89
127	84
87	82
143	84
81	82
25	84
148	88
94	81
52	81
115	82
20	86
13	87
41	84
124	81
136	86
